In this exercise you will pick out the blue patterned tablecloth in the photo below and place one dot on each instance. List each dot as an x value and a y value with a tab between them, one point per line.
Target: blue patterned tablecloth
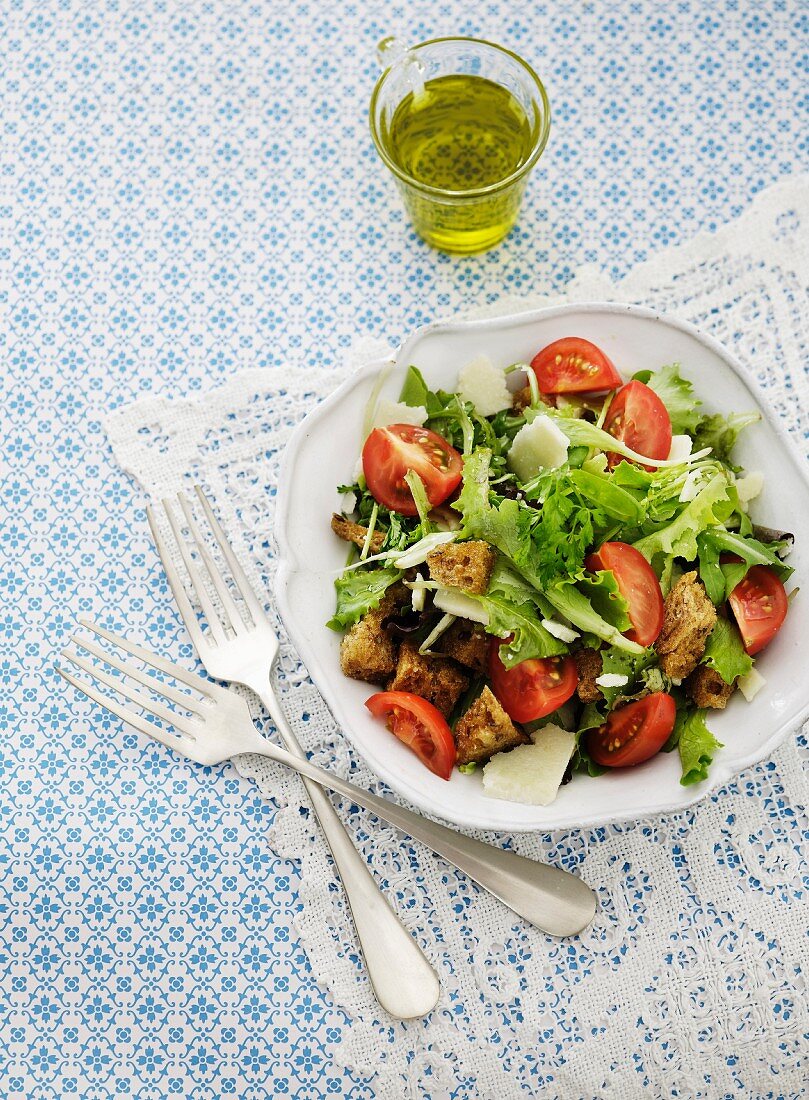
187	188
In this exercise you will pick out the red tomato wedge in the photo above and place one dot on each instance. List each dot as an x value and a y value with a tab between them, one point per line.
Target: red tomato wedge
390	452
532	688
759	604
639	419
634	733
419	725
637	583
574	365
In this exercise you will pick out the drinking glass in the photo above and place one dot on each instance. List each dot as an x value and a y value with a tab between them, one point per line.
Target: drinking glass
476	218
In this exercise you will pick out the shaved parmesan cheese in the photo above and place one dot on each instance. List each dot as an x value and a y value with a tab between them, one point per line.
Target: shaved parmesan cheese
537	446
358	470
611	680
484	384
455	602
394	412
531	774
680	450
418	590
560	631
348	502
751	684
417	553
749	487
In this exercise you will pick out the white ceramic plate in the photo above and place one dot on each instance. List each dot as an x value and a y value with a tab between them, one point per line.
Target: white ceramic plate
323	452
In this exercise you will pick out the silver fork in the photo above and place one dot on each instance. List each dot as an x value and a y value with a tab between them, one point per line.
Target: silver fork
240	646
217	726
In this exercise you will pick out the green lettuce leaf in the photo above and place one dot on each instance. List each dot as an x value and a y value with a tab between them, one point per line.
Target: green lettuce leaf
602	590
446	413
620	663
679	538
632	476
542	545
591	718
752	552
604	493
544	552
402	531
415	390
515	608
677	394
652	680
724	651
696	743
710	571
358	592
575	606
720	432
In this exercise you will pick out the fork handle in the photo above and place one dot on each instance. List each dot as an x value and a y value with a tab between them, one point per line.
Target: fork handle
404	982
555	901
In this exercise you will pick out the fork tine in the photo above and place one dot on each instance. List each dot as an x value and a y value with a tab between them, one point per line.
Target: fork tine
197	583
187	612
231	610
157	733
190	702
243	586
151	706
204	687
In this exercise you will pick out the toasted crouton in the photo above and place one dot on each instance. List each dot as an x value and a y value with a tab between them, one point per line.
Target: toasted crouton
589	665
688	620
522	399
464	565
367	651
436	679
356	533
707	688
485	729
467	643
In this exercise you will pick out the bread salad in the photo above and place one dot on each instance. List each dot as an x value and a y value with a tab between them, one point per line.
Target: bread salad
554	571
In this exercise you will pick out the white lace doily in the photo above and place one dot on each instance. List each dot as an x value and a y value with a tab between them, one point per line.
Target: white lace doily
689	981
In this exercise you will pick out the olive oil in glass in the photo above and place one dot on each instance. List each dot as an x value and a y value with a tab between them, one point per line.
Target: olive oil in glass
460	143
460	133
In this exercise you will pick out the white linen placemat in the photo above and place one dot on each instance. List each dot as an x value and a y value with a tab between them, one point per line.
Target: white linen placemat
689	981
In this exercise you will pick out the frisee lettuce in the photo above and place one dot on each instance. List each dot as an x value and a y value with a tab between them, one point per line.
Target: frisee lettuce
677	394
602	590
416	486
721	432
696	744
546	549
358	593
678	539
542	545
